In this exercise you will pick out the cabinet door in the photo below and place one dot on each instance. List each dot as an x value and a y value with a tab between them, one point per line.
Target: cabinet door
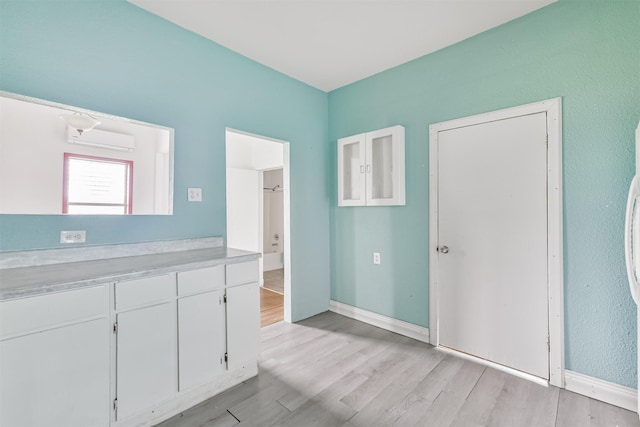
58	377
385	177
351	171
146	358
243	325
201	338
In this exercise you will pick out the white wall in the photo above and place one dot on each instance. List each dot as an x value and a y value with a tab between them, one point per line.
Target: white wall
243	209
273	212
249	152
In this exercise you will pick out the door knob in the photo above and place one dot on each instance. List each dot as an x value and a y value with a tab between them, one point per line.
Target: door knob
444	249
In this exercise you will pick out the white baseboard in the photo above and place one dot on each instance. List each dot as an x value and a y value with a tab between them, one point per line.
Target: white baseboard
401	327
611	393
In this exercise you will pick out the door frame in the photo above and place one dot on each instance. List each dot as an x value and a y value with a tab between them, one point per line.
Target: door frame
555	279
286	183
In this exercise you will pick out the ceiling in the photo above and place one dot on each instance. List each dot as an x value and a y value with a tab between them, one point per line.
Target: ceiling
331	43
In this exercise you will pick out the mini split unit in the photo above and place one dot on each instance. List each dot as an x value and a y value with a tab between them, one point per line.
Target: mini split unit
101	139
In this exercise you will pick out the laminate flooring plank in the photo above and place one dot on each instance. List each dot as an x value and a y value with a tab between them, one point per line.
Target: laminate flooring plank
479	405
306	352
293	339
267	415
276	329
309	362
605	415
315	414
573	410
327	373
279	332
398	389
409	410
452	397
381	375
212	409
224	420
525	403
269	390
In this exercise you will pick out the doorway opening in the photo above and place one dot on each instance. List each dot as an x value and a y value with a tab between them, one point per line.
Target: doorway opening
258	214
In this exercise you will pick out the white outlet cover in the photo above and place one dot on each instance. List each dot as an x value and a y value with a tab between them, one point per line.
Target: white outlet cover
194	194
376	257
75	236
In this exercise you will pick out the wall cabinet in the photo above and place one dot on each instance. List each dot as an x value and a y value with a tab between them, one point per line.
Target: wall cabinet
371	168
54	360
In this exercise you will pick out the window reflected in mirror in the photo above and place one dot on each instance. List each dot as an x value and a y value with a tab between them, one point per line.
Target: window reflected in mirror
97	185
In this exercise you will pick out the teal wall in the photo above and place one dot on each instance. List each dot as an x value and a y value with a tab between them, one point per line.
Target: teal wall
110	56
588	53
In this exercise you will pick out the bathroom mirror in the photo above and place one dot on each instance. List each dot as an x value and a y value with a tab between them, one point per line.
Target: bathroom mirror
60	159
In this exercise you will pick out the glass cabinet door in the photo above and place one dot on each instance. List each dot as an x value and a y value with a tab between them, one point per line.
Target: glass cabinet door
351	171
385	167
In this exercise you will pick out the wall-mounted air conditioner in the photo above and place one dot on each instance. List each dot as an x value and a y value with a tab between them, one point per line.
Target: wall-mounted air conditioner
102	139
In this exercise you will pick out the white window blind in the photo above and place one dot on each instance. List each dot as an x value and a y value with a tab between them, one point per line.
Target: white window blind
97	186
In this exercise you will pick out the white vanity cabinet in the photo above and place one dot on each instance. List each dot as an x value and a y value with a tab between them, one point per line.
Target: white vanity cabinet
131	351
54	359
201	326
146	349
371	168
182	338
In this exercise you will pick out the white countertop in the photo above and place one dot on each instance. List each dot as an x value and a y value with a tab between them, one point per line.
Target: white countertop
29	281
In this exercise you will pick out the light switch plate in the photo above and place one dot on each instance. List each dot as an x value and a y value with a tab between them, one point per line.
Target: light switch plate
194	194
77	236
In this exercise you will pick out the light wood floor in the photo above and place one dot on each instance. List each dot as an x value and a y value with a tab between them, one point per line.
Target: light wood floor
333	371
271	307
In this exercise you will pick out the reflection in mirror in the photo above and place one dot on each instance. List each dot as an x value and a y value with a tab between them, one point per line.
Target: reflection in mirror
57	159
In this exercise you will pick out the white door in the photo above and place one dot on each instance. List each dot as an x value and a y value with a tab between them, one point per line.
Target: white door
492	275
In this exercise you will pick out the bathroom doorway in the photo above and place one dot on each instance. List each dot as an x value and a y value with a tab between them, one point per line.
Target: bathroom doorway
258	218
273	230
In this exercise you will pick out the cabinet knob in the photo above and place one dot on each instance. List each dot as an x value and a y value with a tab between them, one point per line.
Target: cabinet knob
444	249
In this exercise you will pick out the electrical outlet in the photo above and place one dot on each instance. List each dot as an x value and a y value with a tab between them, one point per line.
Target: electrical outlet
376	257
194	194
79	236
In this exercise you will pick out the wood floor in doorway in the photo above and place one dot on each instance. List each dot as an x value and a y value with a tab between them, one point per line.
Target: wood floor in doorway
330	370
271	307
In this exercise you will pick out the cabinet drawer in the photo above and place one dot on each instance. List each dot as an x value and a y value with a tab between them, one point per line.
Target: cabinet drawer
201	280
245	272
41	312
141	292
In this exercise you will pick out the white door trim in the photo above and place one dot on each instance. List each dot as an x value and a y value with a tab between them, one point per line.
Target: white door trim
553	109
